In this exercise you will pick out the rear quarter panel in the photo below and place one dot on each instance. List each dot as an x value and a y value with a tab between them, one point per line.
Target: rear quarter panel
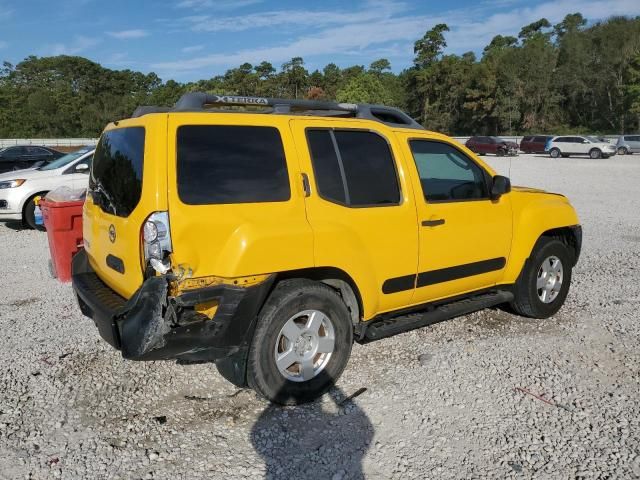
239	239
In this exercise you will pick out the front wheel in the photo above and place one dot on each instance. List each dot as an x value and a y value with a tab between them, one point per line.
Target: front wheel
622	151
555	153
543	284
595	153
501	152
302	343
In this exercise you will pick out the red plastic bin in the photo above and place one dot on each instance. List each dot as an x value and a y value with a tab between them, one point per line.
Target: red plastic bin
63	221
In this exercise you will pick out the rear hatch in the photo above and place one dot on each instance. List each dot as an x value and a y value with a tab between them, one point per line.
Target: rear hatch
126	184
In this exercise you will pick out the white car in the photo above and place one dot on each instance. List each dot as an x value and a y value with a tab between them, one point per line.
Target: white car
19	187
573	145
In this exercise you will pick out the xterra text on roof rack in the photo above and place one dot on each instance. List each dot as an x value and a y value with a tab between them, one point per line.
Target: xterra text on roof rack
268	240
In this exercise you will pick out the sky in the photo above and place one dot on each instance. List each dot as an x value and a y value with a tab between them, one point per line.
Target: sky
190	40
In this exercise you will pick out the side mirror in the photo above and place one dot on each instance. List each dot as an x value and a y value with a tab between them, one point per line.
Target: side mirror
500	186
82	168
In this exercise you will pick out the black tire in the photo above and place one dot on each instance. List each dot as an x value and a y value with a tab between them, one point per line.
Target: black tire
501	152
527	302
28	215
622	151
289	298
595	153
554	152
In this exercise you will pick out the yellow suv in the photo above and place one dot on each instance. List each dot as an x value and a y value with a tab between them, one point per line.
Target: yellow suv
267	235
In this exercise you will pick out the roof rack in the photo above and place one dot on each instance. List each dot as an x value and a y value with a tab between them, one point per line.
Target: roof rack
198	101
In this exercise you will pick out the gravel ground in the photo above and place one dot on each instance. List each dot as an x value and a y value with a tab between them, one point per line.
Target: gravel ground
440	402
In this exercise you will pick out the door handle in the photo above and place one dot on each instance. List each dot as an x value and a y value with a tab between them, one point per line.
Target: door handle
433	223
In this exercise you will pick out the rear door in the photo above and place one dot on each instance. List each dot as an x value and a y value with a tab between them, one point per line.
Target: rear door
236	202
127	182
361	208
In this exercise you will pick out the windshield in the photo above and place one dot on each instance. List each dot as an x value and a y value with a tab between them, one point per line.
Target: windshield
65	160
498	139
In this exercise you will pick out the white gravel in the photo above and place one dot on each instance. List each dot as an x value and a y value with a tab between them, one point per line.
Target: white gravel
441	402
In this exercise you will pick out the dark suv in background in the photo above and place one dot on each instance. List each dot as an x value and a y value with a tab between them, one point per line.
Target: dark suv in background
19	157
534	143
495	145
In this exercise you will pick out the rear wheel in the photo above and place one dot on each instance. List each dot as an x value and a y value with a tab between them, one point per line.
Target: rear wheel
554	152
622	151
302	343
501	152
544	282
595	153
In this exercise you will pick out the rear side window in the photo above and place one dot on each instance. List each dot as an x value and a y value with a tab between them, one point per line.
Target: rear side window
231	164
353	167
116	174
446	174
527	139
540	139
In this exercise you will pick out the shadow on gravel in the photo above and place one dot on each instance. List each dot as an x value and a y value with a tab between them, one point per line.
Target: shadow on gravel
316	440
15	225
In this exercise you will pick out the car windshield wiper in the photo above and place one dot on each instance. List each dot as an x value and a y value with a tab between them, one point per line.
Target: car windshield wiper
99	188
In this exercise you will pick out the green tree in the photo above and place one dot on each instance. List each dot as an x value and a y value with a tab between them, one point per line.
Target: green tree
364	88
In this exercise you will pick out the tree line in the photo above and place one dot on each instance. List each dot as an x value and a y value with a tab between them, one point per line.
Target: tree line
549	79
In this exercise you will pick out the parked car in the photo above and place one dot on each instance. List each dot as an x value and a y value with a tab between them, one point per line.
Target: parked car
20	157
628	144
269	243
19	188
534	143
573	145
495	145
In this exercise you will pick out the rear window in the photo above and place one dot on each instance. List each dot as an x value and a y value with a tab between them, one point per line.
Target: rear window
353	167
116	175
231	164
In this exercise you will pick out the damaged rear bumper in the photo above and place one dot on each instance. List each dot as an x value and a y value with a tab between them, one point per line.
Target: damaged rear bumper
152	326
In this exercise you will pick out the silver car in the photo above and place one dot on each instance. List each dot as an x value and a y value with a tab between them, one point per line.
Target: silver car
628	144
18	188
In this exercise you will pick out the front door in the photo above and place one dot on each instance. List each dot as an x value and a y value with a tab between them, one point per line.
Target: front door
465	237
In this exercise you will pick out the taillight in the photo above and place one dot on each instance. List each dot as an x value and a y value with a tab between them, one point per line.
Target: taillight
156	241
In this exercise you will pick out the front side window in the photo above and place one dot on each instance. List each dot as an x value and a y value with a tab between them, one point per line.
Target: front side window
11	153
353	167
446	174
116	175
220	164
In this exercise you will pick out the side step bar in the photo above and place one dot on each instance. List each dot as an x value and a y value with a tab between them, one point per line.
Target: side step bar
391	326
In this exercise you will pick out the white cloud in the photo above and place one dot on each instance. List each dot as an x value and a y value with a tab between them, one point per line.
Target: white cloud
5	12
79	44
3	44
119	59
192	48
373	10
216	4
379	24
128	34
